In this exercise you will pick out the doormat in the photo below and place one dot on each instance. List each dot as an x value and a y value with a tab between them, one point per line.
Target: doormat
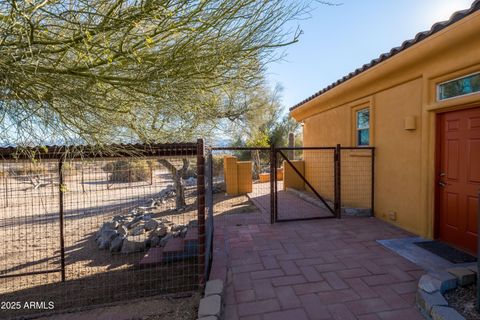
446	252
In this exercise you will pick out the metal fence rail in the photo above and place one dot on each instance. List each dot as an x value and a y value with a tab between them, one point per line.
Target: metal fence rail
298	183
81	226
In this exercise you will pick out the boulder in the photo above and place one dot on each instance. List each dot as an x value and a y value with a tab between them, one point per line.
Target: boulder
183	232
165	239
122	230
177	227
110	225
138	230
106	237
151	224
154	241
117	243
134	222
133	244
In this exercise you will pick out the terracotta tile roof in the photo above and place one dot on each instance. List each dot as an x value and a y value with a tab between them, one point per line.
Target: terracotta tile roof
457	16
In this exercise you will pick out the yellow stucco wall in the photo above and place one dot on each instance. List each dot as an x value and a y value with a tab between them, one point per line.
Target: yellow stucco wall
238	175
403	86
290	178
244	176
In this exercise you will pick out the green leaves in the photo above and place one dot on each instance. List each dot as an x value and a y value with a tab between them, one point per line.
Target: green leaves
107	71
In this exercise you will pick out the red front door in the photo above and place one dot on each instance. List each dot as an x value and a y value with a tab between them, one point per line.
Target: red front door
458	177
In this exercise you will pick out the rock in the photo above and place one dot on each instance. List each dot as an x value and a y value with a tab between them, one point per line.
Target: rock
134	222
214	287
464	276
133	244
210	306
151	225
159	232
118	218
426	301
177	227
110	225
154	241
122	230
429	284
108	234
165	239
448	281
445	313
106	237
104	244
116	244
138	230
183	232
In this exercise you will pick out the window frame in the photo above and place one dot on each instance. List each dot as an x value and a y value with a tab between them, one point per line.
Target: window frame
358	130
437	87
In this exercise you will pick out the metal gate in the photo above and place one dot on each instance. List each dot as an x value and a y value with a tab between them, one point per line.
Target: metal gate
292	183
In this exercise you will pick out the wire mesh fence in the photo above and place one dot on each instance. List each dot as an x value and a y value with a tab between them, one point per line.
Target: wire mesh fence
76	232
306	188
308	182
240	185
357	181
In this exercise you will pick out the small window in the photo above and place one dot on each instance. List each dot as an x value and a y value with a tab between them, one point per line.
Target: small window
459	87
363	127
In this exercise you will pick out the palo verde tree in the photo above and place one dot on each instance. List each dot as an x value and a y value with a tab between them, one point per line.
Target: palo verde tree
90	70
263	124
102	71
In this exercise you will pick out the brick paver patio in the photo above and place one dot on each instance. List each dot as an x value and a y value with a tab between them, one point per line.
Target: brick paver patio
319	269
260	196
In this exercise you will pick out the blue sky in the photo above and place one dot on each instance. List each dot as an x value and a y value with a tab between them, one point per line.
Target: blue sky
339	39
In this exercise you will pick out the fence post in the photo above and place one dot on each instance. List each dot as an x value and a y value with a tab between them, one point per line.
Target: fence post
61	190
272	184
6	188
338	182
201	210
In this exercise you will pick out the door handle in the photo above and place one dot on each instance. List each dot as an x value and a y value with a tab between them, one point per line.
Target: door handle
442	184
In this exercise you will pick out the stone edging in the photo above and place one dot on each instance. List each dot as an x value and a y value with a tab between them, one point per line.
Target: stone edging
431	287
211	305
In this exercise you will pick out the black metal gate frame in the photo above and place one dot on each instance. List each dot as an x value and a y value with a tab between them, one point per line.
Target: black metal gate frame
62	153
337	204
336	210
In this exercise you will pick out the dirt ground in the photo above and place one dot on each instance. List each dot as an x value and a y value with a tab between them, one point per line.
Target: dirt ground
30	243
154	308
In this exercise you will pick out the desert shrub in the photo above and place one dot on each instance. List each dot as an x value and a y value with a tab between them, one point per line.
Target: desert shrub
128	171
28	169
217	165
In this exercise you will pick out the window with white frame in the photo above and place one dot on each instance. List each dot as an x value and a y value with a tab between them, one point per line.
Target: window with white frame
459	87
363	127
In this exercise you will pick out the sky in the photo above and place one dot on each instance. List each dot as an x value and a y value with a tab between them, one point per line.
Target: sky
338	39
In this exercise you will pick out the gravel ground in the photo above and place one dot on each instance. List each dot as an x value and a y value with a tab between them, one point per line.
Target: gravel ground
463	299
183	307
